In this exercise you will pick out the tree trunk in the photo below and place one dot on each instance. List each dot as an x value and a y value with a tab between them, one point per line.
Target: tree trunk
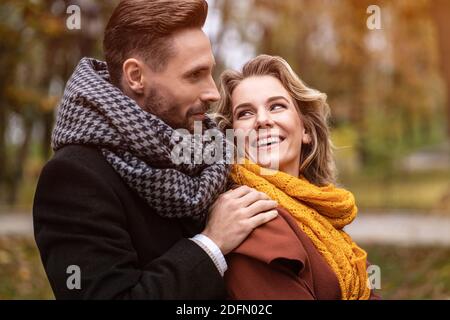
21	156
2	144
48	120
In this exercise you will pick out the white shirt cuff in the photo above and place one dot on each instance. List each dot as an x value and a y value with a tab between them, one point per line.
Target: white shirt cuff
213	251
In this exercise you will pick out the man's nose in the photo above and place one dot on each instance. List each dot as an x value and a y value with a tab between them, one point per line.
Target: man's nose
210	93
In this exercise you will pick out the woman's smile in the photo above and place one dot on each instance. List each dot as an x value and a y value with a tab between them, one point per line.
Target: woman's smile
267	142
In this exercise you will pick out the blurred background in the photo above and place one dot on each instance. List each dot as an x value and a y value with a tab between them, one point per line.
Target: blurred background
385	66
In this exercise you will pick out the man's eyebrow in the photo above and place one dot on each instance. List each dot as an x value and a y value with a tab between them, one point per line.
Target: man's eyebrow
248	104
199	68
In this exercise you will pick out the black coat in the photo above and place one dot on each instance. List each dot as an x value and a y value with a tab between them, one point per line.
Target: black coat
85	215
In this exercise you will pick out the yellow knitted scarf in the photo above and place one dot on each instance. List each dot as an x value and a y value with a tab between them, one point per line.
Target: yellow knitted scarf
320	212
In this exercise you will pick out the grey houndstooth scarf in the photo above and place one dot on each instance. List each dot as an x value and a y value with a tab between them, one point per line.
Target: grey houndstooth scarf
136	144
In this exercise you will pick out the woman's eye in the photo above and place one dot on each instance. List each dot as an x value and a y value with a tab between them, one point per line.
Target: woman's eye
277	107
243	114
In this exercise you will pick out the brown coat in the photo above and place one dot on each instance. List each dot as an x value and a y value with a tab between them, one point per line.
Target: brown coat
279	261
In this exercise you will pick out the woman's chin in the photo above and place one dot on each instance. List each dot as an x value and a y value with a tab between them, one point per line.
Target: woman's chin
268	162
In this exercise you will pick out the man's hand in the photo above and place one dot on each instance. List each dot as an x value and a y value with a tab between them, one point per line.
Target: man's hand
235	214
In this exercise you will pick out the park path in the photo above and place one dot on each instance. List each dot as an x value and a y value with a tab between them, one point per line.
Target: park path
16	224
401	229
409	229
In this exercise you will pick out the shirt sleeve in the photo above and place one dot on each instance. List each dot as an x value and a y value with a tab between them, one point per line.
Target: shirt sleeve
213	251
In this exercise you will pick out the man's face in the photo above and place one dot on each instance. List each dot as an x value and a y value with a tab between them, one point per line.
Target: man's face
182	92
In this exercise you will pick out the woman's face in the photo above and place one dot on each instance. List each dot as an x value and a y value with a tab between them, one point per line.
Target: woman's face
262	104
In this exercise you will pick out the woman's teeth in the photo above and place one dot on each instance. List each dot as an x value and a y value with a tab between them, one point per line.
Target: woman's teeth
268	141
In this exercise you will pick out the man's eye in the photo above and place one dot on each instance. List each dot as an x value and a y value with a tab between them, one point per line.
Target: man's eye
196	75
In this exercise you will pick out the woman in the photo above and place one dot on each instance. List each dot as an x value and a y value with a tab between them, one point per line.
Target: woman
303	253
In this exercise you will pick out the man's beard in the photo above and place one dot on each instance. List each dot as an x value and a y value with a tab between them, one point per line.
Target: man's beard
165	108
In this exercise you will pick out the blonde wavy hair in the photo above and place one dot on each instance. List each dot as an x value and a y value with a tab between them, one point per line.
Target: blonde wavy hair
316	159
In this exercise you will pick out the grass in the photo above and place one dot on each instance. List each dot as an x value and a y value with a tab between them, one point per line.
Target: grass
406	273
22	275
412	272
418	191
376	188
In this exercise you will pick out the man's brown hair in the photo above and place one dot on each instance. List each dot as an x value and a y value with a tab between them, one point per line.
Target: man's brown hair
143	28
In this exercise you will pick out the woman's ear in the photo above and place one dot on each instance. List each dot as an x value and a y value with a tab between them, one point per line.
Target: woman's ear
133	75
306	138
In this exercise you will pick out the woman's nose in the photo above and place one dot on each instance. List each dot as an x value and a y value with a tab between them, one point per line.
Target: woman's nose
264	120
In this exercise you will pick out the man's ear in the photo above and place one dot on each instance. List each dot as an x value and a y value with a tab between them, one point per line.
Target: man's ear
133	76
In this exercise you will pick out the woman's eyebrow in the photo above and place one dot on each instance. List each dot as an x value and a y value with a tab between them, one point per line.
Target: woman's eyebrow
248	104
242	105
277	98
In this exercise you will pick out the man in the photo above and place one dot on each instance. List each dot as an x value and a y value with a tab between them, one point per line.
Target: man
114	217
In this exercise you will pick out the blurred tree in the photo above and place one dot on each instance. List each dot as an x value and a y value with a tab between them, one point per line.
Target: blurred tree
223	13
40	54
11	29
383	83
441	13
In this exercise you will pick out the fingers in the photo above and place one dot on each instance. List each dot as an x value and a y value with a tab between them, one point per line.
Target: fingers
262	218
238	192
243	191
252	197
260	206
